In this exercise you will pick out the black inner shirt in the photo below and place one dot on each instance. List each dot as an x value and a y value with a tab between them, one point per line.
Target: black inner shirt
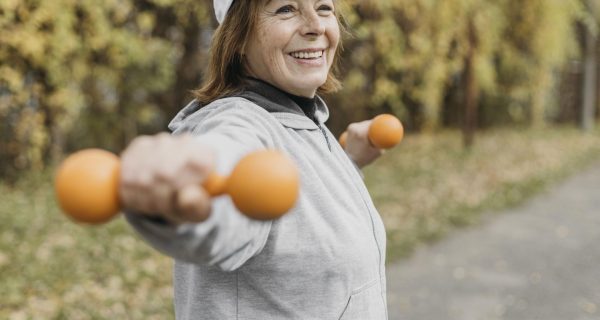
275	100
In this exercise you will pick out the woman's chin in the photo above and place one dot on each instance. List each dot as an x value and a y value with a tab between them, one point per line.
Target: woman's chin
309	83
305	90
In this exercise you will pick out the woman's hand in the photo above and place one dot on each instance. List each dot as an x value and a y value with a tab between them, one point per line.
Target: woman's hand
358	147
161	175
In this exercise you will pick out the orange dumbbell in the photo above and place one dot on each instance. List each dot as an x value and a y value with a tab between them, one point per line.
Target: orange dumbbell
264	185
385	132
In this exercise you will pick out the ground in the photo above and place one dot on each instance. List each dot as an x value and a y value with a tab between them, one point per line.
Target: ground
537	261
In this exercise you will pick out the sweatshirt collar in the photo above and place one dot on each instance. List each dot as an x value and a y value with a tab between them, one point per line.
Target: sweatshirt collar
286	108
295	109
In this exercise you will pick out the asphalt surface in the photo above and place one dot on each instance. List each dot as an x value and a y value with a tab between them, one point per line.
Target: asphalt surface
537	261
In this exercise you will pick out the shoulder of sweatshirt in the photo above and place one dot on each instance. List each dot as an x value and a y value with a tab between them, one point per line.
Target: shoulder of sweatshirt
235	119
235	111
193	117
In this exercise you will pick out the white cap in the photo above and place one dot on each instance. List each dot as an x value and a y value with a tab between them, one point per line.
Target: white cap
221	8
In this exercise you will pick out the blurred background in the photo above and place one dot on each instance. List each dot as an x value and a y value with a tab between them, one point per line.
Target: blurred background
499	99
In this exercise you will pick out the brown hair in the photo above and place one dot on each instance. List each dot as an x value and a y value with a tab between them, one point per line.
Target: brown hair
225	73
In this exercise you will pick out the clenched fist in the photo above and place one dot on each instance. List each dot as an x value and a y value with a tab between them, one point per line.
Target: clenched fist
161	175
358	146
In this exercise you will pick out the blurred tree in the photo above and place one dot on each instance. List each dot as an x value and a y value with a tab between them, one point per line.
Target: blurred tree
405	55
412	56
538	42
78	73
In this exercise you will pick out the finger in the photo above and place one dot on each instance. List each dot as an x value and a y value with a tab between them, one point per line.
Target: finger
193	204
139	143
167	160
134	167
136	200
134	190
201	157
197	168
360	130
162	200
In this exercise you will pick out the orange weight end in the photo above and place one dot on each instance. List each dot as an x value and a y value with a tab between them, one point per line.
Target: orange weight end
264	185
86	186
386	131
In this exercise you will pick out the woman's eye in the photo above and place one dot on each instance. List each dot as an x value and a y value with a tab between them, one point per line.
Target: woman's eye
285	9
325	8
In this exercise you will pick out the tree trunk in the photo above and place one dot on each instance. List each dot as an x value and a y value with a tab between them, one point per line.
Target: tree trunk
543	81
589	79
190	68
471	90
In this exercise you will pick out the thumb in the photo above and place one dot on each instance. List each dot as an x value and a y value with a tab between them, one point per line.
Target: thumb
193	204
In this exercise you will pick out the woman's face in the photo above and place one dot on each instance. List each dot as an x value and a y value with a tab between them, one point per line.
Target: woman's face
294	45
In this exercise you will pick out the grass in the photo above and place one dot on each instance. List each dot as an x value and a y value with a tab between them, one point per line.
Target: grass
51	268
430	184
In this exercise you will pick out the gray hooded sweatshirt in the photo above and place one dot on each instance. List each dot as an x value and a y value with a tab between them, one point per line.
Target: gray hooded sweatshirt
324	259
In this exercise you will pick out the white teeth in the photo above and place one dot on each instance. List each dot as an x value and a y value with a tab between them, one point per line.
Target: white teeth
307	55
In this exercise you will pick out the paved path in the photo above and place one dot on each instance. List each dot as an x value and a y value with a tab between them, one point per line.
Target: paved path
538	261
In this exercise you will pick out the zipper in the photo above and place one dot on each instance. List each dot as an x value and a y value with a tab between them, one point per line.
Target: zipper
325	135
373	219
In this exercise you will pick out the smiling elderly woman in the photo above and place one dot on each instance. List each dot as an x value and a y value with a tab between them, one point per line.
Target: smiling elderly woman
324	259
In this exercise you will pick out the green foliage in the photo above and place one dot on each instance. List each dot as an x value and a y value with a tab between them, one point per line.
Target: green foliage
540	39
407	56
87	72
80	73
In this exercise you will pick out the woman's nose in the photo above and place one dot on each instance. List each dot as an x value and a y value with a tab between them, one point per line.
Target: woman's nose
313	26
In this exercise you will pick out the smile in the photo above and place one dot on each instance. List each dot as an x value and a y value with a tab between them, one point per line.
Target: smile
308	55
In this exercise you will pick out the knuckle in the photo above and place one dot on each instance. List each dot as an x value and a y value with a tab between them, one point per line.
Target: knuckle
163	199
163	137
200	160
185	137
197	166
165	173
141	142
